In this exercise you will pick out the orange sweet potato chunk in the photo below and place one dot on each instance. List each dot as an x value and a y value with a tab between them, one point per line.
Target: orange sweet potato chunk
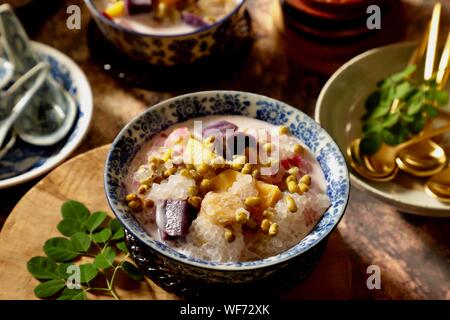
268	193
225	180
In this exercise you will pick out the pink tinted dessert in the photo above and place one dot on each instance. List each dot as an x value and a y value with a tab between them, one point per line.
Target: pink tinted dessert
238	189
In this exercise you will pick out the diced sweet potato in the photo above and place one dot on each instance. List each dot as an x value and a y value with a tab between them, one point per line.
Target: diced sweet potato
225	180
196	154
221	207
268	193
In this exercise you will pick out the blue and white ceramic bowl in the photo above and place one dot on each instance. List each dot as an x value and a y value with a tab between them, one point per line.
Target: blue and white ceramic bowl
167	50
179	273
23	161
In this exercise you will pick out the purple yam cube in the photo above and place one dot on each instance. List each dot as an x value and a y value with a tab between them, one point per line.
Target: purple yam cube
219	130
220	126
193	19
178	218
238	142
138	6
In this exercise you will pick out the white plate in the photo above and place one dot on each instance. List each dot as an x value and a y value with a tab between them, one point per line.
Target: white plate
339	109
25	162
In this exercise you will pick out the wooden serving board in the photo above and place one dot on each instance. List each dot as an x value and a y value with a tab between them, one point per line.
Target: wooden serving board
35	217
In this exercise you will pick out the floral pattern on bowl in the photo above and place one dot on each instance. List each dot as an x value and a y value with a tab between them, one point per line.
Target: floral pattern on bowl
178	109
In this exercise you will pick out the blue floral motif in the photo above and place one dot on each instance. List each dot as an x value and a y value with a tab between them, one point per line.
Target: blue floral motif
309	132
272	112
152	122
188	108
229	104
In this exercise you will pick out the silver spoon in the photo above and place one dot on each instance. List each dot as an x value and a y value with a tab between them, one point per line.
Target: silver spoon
41	71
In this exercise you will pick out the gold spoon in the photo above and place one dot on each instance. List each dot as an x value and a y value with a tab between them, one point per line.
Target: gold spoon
438	186
422	160
381	166
428	158
357	163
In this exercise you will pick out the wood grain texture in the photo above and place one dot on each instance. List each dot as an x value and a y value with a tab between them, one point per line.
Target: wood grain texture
36	216
412	252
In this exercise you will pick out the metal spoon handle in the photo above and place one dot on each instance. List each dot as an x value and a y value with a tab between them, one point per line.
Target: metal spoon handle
443	70
426	136
432	42
43	70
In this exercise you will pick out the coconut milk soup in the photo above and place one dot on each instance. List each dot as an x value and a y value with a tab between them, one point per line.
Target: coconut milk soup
226	188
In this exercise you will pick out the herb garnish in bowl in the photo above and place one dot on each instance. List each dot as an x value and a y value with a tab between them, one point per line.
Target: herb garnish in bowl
385	123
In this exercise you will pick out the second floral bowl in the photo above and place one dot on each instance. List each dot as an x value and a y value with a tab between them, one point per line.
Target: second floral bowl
168	49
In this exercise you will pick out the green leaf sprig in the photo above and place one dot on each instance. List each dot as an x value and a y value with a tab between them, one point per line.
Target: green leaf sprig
89	235
417	104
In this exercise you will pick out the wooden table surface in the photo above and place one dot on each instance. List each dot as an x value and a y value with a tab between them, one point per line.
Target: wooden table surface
413	252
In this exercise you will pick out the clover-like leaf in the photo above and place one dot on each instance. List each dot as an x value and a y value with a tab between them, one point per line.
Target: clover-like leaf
403	89
418	124
73	294
49	288
117	230
389	138
87	272
60	249
63	270
105	259
43	268
370	143
95	220
81	241
75	210
122	246
441	98
373	101
391	120
431	111
132	271
373	126
102	236
414	106
380	111
399	76
69	226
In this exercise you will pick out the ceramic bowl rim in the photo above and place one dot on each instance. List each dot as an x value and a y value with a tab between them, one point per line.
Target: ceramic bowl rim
93	9
262	263
398	202
86	105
